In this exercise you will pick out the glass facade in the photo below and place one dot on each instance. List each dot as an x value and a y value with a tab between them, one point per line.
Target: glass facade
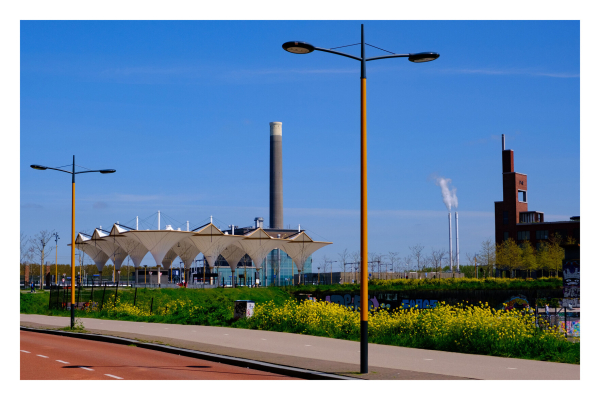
276	260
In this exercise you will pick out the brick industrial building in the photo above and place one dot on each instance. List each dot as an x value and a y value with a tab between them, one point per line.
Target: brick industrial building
512	216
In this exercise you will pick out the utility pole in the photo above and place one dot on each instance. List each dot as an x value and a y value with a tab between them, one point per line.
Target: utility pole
56	260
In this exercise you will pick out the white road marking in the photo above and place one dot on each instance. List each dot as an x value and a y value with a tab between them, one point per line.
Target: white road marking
25	351
510	368
87	369
61	361
112	376
428	359
263	339
165	328
307	345
39	355
226	334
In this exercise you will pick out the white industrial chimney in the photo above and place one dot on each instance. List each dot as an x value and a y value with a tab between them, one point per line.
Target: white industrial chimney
450	238
457	251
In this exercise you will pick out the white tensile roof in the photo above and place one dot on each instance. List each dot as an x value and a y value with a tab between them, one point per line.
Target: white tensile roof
257	244
158	243
300	247
82	242
211	241
187	251
169	258
110	247
233	254
136	250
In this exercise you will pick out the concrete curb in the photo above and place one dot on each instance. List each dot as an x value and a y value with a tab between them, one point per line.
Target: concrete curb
239	362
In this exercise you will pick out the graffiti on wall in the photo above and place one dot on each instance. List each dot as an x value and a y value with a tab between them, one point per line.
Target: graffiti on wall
384	301
518	302
571	279
573	328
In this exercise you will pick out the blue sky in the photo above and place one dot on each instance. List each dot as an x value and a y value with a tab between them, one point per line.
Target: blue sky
182	109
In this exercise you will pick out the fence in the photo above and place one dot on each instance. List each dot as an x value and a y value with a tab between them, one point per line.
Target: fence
97	297
85	296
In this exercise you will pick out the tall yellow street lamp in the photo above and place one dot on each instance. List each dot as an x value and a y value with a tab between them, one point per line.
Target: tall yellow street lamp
304	48
73	173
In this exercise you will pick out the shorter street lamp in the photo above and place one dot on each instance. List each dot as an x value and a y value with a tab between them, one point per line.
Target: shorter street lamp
56	261
73	173
331	272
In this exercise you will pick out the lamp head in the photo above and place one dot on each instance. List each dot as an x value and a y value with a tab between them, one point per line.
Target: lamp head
298	47
41	168
423	57
107	171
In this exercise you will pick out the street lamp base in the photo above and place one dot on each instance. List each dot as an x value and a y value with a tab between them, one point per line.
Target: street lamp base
364	347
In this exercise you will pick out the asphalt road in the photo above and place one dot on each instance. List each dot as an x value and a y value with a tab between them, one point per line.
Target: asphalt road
52	357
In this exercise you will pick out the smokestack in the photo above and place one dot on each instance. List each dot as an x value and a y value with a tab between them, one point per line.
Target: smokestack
276	178
503	143
450	238
457	252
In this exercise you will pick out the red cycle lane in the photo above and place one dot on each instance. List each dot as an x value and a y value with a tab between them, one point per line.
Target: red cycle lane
49	357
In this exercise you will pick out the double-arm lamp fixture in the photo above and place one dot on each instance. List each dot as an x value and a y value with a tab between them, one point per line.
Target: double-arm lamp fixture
298	47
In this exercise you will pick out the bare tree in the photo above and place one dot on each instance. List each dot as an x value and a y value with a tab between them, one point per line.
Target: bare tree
394	258
407	261
356	263
487	255
25	249
417	253
436	257
375	258
38	249
323	263
426	262
344	257
470	258
25	255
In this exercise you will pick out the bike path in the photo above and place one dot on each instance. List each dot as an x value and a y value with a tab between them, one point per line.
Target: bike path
322	354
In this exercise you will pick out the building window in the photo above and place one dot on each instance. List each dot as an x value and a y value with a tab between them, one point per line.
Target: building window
523	196
523	235
541	235
505	235
505	217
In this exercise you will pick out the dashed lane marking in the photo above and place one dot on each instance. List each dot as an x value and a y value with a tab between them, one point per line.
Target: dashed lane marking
39	355
61	361
428	359
25	351
113	376
510	368
87	369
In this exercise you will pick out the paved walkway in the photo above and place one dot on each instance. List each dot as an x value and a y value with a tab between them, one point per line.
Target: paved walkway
323	354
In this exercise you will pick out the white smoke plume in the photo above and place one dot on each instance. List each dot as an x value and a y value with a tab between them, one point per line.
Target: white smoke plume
448	192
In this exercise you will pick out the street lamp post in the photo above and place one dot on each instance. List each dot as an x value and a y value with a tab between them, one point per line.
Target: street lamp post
331	272
56	260
304	48
73	173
